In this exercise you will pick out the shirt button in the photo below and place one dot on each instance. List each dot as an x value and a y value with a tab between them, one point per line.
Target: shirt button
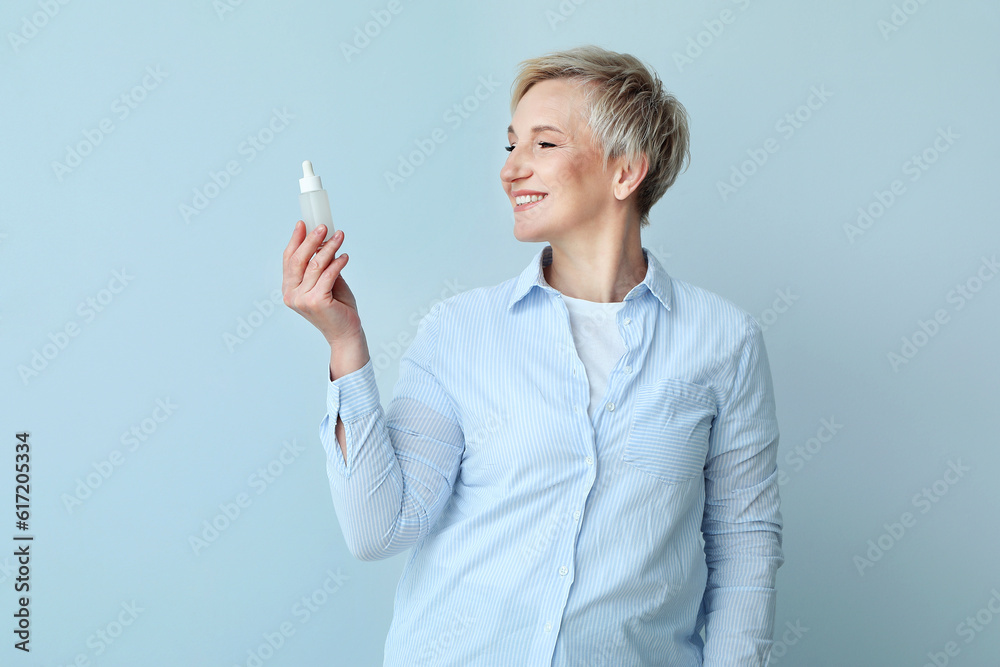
610	407
628	369
590	460
628	320
576	515
563	571
574	372
548	627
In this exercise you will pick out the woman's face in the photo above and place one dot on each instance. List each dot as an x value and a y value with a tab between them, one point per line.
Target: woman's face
554	156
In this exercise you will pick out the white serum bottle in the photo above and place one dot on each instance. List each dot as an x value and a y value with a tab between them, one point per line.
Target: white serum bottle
314	202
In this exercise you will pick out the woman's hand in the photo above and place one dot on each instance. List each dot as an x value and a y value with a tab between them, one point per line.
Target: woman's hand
314	287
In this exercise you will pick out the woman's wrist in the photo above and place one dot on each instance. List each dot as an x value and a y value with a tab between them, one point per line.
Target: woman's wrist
348	355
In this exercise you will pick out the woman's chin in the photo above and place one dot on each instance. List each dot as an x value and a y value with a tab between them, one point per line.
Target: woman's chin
527	233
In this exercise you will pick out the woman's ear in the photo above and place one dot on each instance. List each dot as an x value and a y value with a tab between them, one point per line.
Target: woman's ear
629	175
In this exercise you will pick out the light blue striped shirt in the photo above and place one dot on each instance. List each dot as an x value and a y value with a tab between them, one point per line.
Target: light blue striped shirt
541	536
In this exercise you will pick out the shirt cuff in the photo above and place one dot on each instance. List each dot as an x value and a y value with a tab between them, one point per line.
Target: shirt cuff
353	395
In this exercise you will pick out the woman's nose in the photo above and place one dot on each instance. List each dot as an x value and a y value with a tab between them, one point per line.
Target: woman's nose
514	168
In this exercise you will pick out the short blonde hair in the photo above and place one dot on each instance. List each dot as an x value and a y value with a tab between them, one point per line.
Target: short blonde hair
627	109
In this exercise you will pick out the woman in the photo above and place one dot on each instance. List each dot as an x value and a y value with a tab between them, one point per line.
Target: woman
583	457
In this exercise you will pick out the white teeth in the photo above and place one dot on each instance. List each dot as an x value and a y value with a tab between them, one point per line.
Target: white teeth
527	199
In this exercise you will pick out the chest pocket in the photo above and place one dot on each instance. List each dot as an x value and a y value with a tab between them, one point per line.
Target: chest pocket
669	429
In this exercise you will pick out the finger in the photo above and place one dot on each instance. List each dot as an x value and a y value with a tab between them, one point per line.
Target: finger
333	237
341	290
297	261
287	277
298	232
325	281
321	260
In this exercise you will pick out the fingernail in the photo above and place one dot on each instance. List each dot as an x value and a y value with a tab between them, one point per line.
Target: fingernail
320	229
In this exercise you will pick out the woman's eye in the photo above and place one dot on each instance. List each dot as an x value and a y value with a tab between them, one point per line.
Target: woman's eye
543	144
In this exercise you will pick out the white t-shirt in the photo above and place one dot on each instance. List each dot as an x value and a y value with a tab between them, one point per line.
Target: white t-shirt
598	342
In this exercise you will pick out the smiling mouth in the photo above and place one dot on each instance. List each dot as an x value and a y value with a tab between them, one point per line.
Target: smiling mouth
524	202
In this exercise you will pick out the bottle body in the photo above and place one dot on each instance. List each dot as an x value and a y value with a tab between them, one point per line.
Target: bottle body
315	206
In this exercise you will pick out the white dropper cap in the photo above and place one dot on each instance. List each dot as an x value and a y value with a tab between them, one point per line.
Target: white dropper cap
309	181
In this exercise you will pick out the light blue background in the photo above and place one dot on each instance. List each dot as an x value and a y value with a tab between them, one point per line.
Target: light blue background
447	228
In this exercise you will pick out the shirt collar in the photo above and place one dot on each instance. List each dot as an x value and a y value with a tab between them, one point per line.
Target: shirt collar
657	280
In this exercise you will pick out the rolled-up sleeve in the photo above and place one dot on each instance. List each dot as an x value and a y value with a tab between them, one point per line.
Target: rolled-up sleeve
742	520
401	465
